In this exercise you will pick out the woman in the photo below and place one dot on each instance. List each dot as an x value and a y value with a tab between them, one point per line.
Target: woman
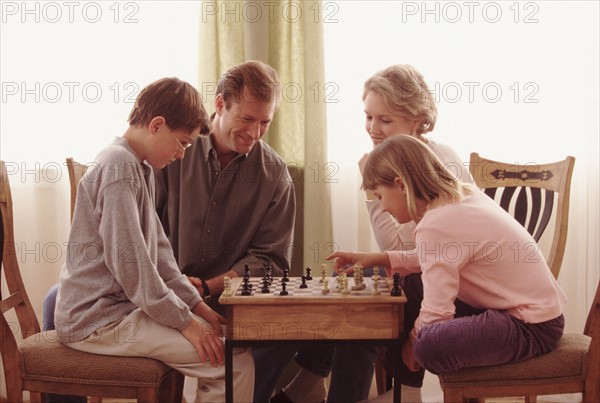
482	302
398	101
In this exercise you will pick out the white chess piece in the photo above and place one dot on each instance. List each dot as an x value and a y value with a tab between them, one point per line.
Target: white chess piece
344	285
227	287
323	273
375	285
325	286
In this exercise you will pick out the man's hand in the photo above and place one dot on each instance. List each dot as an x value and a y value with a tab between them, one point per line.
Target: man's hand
206	341
197	283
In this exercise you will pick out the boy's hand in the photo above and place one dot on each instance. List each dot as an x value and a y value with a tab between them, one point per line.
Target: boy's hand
207	343
208	314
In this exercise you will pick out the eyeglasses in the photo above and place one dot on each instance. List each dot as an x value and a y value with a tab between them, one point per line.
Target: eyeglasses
181	146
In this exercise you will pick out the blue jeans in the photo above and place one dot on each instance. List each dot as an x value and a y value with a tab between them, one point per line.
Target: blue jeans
48	308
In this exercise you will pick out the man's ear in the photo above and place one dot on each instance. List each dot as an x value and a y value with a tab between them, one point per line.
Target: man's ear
219	104
156	123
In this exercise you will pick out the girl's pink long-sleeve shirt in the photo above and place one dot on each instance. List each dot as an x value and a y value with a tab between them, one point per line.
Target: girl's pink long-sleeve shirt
475	251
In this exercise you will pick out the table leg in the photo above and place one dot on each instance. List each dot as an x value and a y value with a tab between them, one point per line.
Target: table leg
228	372
397	383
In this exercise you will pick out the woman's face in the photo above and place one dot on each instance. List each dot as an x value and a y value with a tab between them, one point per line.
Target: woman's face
382	122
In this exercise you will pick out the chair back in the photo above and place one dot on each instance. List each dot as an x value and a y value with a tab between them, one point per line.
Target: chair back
76	172
17	300
527	192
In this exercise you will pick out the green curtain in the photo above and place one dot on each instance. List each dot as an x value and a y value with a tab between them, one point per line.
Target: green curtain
288	35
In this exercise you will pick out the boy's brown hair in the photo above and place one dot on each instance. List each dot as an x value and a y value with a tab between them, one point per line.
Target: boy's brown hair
259	79
175	100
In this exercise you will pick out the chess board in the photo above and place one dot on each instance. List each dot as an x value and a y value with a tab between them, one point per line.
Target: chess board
313	293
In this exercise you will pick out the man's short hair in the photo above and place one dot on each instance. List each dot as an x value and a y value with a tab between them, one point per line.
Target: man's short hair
177	101
259	79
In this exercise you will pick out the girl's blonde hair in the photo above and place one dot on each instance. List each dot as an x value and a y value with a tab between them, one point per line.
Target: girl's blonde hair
405	92
423	174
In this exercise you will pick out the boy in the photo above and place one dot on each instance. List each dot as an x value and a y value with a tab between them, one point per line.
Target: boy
121	291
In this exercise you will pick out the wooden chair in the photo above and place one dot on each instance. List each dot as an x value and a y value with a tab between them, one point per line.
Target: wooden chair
76	172
573	367
527	193
37	362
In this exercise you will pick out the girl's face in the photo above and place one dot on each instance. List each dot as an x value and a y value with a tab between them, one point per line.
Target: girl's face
382	122
394	200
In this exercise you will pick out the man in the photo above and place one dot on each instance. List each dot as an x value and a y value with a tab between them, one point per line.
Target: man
231	202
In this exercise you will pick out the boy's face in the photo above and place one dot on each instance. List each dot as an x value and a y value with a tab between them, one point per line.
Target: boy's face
244	123
169	145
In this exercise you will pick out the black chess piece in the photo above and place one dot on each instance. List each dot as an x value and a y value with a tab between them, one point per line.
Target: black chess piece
265	288
396	291
285	275
308	276
246	286
303	285
246	270
283	288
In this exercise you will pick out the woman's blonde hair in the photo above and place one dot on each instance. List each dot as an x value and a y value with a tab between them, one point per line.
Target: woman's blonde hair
423	174
405	92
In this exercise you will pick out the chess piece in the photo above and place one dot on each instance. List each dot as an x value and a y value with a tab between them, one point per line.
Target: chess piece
308	276
227	287
246	286
396	291
359	283
325	289
303	285
375	278
269	274
344	285
265	287
285	275
283	288
323	273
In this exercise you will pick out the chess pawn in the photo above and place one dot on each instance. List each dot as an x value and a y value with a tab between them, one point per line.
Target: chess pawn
344	282
283	288
375	290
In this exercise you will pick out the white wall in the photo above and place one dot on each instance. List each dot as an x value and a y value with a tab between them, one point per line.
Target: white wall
514	81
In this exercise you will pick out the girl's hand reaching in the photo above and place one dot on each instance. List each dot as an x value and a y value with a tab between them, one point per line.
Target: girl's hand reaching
343	261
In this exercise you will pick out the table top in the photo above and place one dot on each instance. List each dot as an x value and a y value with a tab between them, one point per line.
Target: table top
312	294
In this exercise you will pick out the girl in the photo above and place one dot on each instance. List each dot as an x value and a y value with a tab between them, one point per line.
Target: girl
481	302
